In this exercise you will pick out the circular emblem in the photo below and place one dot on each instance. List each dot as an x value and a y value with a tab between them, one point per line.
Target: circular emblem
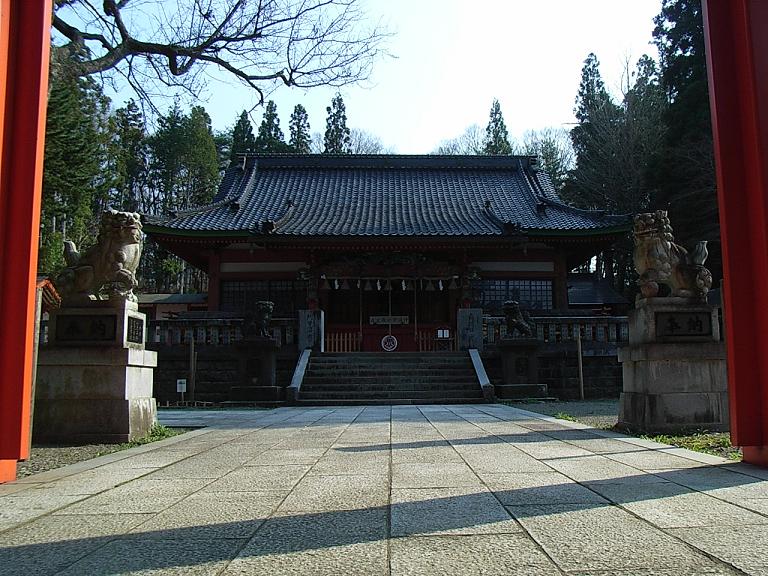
389	343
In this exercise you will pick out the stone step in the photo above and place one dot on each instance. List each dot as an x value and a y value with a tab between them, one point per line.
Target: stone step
331	377
353	388
519	391
390	402
405	377
394	393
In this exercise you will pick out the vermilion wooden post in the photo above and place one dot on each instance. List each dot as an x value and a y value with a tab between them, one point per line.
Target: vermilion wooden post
24	52
736	34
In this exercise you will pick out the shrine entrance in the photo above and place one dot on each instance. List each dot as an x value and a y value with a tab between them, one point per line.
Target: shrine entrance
390	314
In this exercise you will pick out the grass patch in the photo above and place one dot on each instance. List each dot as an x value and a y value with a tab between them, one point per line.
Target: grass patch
565	416
715	443
157	432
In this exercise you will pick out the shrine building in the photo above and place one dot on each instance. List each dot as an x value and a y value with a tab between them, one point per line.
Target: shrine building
386	244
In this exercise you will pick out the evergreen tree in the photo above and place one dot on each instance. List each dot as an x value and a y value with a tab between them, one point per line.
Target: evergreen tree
243	140
129	152
337	135
684	167
202	162
75	174
496	135
185	173
594	181
298	125
270	137
167	146
614	144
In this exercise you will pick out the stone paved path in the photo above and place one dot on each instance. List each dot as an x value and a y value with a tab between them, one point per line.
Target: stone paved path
470	490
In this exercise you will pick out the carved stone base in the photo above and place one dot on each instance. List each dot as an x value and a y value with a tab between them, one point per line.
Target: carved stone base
674	369
257	362
86	395
520	367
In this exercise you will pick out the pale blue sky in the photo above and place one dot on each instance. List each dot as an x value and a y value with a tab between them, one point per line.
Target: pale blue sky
452	57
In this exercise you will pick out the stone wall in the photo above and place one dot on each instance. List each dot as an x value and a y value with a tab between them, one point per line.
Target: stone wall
559	370
217	372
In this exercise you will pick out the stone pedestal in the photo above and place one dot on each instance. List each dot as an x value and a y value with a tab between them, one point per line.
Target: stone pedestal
94	378
674	369
520	367
257	365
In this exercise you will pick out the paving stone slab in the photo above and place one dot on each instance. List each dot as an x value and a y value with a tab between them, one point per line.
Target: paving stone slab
24	506
670	505
703	571
144	494
145	556
552	449
653	460
540	488
426	455
280	457
433	475
329	493
742	546
589	537
362	559
463	510
95	481
207	515
354	464
248	479
599	469
486	555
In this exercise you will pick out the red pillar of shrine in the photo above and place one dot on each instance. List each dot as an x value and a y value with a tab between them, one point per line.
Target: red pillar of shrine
24	51
737	63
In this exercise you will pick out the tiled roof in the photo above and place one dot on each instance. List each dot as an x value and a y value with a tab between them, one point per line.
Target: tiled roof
322	195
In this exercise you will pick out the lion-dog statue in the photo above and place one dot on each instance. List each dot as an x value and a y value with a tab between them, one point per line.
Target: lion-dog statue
106	270
659	261
518	320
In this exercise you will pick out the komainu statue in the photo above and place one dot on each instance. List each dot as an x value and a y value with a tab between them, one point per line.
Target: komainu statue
518	320
257	321
107	269
658	260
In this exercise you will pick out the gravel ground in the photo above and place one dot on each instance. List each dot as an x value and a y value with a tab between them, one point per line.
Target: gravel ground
601	413
46	457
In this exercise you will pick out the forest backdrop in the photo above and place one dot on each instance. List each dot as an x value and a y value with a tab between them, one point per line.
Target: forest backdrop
649	149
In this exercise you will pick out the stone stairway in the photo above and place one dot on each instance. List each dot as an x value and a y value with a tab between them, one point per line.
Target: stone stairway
390	378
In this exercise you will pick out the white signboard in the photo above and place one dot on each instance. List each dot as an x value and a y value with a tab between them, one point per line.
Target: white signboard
388	319
181	385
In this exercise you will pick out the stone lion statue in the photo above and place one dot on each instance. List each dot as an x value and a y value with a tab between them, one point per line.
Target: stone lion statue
518	320
658	260
108	268
257	321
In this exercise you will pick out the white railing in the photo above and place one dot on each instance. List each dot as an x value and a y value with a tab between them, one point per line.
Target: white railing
342	341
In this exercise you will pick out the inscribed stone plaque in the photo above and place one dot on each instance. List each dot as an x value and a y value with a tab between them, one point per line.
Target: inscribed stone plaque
135	330
86	328
683	325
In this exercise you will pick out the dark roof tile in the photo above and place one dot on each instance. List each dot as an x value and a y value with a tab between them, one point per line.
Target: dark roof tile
321	195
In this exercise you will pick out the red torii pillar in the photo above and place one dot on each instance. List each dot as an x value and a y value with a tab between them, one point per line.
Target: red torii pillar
736	35
24	52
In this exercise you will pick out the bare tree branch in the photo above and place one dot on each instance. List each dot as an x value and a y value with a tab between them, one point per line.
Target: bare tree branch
302	43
